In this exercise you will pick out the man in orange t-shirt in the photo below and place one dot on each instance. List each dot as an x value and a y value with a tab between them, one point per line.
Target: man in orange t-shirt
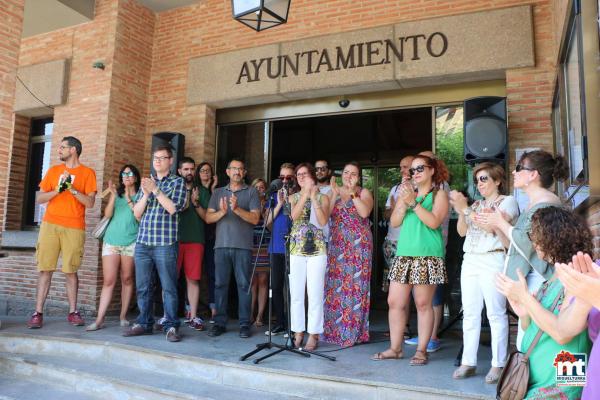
69	189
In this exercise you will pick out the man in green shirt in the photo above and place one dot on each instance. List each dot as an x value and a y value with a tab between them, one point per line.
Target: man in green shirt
191	238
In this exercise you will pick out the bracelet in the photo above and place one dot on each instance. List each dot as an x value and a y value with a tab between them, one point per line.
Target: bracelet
412	206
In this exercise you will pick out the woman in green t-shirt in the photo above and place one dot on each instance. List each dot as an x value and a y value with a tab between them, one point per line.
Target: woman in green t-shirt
119	244
419	263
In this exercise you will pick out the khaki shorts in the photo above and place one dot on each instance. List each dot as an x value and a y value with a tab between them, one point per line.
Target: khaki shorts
55	240
111	250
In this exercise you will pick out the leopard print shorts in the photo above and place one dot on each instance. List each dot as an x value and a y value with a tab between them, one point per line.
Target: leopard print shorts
418	270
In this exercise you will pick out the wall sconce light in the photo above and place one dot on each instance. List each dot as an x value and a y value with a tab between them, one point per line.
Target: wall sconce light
98	65
260	14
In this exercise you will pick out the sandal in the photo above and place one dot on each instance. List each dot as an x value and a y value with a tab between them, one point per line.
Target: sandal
94	327
312	343
258	323
464	371
298	338
493	375
420	358
397	355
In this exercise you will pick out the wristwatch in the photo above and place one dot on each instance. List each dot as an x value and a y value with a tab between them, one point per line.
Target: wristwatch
156	192
74	192
467	211
353	196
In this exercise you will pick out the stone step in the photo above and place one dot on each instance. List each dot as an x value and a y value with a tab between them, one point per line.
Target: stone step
146	372
109	381
12	388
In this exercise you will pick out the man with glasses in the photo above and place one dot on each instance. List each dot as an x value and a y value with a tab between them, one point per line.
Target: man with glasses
157	206
68	188
391	240
279	230
235	209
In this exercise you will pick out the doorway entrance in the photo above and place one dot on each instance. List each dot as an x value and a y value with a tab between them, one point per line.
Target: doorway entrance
376	140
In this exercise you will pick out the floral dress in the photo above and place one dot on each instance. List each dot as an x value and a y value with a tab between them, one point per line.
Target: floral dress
347	283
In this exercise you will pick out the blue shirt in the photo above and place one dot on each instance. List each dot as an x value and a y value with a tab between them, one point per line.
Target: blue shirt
158	227
281	227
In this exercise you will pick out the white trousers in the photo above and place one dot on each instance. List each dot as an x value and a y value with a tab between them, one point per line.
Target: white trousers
534	281
477	282
307	273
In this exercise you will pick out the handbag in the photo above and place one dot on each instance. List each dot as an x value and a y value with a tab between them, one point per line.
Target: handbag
514	379
100	229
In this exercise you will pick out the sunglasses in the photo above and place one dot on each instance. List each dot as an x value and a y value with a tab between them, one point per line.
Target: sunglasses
127	174
520	168
483	178
286	177
322	169
418	169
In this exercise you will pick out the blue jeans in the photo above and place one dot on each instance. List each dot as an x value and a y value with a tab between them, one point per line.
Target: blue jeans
164	259
238	260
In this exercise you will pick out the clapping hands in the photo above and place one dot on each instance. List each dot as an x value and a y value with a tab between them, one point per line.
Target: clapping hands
581	277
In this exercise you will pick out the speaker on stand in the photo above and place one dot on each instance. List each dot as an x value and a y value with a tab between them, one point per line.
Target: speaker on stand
485	130
177	143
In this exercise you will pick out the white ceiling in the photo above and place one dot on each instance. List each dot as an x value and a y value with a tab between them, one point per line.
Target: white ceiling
48	15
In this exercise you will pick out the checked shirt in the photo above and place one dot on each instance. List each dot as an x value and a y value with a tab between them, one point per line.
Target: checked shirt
158	227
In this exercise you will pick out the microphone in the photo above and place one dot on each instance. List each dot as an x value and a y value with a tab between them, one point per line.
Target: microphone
274	187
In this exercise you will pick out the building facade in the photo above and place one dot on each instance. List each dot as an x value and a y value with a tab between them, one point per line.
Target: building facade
129	71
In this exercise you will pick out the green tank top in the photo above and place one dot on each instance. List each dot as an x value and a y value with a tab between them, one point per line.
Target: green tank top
417	239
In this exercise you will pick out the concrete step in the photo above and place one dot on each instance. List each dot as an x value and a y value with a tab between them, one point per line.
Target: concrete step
99	379
12	388
130	372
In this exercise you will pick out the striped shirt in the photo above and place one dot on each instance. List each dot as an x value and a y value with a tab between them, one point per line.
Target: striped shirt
158	227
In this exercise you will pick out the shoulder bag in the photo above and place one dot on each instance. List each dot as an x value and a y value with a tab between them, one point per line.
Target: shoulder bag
100	229
514	379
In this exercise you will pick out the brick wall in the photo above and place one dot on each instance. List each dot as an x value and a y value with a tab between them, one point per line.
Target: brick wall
143	88
17	174
11	25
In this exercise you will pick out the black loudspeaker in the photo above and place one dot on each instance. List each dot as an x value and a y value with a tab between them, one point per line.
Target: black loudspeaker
485	129
177	143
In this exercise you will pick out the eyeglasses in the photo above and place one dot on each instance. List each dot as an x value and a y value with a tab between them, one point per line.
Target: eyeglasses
236	169
62	147
302	174
322	169
286	177
521	167
161	159
483	178
205	171
127	174
419	169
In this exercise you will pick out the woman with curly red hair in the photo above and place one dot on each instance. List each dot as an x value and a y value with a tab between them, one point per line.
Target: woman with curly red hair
419	265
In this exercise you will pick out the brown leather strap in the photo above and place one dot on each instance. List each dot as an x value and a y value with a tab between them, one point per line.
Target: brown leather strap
540	332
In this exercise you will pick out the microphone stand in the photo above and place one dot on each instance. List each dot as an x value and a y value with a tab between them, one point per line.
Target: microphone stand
269	343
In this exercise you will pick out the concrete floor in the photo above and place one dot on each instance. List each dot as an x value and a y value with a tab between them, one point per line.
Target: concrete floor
351	363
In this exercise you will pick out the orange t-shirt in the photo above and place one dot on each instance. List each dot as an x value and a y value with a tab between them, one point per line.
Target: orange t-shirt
64	209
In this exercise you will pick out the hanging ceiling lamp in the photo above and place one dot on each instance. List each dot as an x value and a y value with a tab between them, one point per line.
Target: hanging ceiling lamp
260	14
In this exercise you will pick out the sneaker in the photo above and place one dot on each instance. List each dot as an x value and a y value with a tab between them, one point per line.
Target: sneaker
433	345
158	325
136	330
75	319
197	324
216	330
278	330
173	335
245	332
413	341
36	321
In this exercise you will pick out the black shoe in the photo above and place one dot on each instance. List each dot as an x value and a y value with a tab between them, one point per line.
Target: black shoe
245	332
216	330
278	330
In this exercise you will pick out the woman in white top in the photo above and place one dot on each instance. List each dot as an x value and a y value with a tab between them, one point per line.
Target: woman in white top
483	259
